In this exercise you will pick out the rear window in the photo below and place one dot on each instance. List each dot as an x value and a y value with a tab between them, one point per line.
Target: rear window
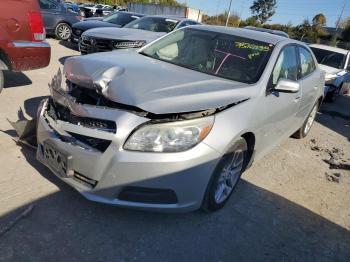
329	58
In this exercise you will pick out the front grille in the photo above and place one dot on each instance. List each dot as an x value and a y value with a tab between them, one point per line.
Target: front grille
85	180
148	195
93	44
97	143
59	112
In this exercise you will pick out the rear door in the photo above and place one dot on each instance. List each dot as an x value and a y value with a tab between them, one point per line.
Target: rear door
310	82
49	10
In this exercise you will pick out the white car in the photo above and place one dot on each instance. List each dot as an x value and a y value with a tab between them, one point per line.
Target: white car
336	63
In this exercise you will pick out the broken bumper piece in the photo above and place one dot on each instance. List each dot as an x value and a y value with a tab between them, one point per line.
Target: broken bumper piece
91	158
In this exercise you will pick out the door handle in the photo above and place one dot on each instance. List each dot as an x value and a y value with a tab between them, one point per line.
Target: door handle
297	99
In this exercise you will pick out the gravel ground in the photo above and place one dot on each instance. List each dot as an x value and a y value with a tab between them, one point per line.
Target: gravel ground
294	205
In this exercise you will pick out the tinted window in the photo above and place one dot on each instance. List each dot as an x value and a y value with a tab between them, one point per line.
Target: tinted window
306	62
222	55
155	24
120	18
286	66
329	58
46	4
187	23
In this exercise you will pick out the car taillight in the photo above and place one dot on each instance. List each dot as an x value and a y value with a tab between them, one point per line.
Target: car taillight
36	26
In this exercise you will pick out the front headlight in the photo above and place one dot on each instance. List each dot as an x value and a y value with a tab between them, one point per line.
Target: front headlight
170	137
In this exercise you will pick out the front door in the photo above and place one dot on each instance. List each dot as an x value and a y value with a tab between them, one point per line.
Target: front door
276	112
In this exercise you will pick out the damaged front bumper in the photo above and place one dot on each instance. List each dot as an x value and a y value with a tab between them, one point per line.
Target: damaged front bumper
87	153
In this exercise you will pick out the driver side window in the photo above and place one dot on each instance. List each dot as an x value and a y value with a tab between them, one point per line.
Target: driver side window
286	66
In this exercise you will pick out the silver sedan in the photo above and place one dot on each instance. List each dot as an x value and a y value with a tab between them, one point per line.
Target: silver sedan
174	125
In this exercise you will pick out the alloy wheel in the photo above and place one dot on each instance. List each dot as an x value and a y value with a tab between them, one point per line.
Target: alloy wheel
229	177
63	32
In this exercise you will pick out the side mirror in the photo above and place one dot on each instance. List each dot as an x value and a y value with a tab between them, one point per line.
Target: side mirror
287	86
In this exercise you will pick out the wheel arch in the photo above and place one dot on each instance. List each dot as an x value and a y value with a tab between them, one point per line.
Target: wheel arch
249	137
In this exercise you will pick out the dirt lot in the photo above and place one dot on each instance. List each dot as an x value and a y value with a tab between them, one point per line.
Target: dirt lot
291	206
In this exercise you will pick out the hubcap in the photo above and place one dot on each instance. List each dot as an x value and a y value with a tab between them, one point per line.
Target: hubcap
64	31
310	119
229	177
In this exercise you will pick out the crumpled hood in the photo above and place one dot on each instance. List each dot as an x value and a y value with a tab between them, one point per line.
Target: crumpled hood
124	34
152	85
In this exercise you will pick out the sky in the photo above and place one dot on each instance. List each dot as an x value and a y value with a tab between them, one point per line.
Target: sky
294	11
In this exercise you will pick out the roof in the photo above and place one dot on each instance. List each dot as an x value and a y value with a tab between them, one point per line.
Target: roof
173	17
261	29
242	32
330	48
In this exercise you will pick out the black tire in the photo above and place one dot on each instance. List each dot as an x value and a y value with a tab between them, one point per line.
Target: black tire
210	202
303	131
63	31
1	80
330	97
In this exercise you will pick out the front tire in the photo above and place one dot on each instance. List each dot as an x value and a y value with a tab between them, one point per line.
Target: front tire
63	31
226	176
305	128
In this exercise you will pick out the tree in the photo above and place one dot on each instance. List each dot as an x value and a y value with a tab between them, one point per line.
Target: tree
304	31
262	10
346	32
220	19
319	20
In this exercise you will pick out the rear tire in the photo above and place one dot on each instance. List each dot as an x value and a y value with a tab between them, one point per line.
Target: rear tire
1	80
330	97
306	127
63	31
226	176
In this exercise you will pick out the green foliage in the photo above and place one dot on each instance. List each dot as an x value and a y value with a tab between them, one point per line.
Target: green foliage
346	32
262	10
220	19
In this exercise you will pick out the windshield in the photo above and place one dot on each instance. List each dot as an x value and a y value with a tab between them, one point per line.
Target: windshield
154	24
329	58
120	18
223	55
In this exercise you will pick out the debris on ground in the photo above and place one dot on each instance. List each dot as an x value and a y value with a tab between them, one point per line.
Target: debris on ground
24	214
335	177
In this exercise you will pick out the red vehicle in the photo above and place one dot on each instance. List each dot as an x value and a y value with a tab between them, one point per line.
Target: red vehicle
22	37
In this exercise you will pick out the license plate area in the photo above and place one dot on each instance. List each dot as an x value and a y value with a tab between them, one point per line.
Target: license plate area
57	160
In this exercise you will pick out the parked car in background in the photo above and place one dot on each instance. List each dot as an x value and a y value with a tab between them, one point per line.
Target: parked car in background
58	20
270	31
133	35
173	125
22	37
71	6
96	7
336	63
118	19
107	10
